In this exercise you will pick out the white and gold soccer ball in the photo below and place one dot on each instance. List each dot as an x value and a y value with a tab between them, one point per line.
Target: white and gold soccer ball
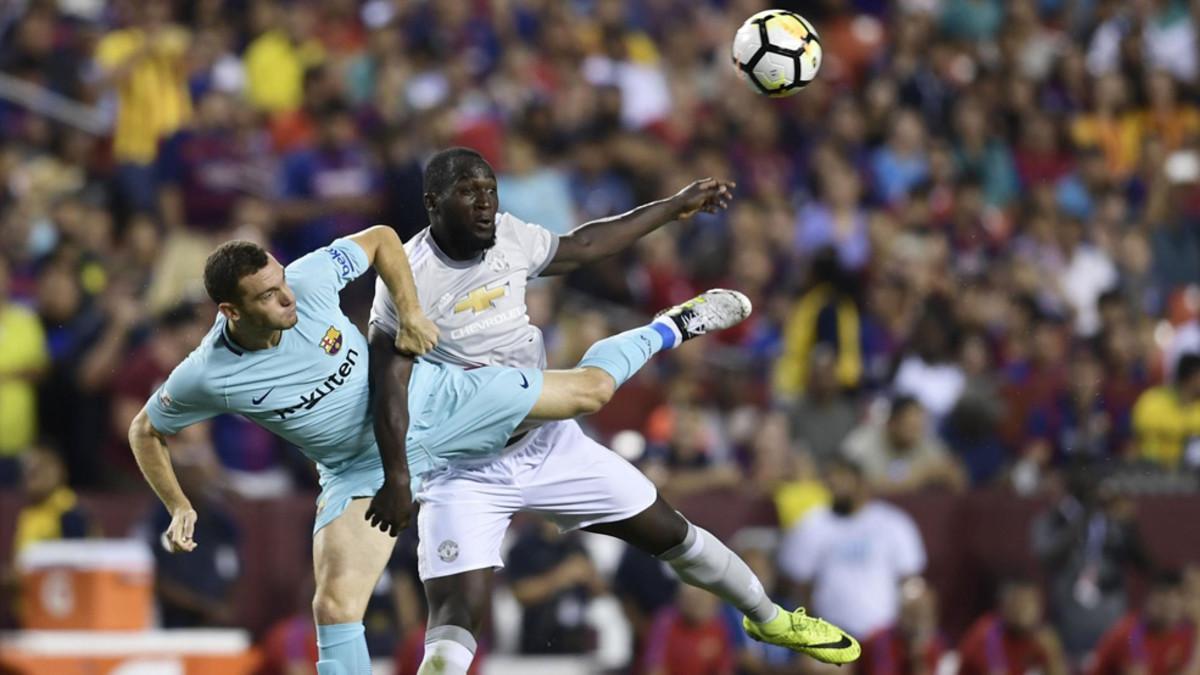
777	52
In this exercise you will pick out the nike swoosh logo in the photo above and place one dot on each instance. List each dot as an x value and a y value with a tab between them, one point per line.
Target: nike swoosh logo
840	644
262	398
524	382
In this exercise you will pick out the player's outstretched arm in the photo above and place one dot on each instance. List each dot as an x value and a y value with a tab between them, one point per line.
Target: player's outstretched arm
391	506
153	458
599	239
386	254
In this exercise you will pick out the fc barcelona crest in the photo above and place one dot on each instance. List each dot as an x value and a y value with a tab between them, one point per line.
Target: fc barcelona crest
332	342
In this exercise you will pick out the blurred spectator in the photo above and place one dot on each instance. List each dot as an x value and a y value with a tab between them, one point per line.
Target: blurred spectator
1081	423
837	220
553	578
828	314
690	637
915	645
930	373
853	555
290	644
52	511
1088	273
1166	419
645	586
329	190
902	455
1013	639
24	358
1086	543
175	335
688	453
972	427
790	475
286	46
901	163
823	415
87	340
1159	640
33	53
203	170
196	590
534	191
146	65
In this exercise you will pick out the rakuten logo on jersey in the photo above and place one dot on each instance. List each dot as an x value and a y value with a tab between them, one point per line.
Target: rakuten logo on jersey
335	380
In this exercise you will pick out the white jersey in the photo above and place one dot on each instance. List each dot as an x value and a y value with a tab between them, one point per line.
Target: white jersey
478	305
855	563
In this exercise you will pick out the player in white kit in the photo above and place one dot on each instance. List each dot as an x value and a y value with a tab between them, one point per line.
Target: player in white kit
471	267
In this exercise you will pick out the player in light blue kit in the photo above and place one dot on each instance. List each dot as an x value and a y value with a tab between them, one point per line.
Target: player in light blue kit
283	354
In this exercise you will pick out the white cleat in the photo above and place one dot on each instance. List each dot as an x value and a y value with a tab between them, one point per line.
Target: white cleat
713	310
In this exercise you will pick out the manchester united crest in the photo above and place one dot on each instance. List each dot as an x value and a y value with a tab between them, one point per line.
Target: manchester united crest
332	342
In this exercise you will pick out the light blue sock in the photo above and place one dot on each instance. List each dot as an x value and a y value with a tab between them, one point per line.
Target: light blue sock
343	649
623	354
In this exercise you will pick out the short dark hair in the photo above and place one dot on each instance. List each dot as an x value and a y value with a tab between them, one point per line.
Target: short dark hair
227	265
1187	368
439	173
900	403
1166	578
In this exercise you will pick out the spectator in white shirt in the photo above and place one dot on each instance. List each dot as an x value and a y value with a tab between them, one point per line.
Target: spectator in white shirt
851	557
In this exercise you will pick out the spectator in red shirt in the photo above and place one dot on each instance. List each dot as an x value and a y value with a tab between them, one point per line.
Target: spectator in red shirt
1013	640
689	638
914	645
175	334
1159	640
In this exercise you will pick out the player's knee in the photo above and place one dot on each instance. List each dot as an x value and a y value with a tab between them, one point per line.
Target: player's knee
597	390
330	609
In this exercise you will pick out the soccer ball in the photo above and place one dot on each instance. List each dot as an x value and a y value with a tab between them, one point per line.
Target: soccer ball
778	52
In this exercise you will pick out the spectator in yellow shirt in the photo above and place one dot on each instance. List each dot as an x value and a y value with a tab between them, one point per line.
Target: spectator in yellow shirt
146	64
52	510
277	59
1166	419
23	359
1110	126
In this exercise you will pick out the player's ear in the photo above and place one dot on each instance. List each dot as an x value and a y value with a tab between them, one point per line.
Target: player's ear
431	201
229	310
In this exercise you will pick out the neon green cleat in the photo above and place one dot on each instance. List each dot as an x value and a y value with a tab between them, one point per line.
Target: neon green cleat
802	633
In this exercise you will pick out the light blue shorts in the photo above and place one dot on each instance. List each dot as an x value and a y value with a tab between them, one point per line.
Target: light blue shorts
457	414
358	477
454	414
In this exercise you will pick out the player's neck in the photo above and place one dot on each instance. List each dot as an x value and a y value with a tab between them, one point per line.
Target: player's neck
450	247
253	340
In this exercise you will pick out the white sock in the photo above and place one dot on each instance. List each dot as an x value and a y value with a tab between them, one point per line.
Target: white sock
445	657
703	561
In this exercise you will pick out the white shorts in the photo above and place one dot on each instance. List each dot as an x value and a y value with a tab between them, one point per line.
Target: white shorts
556	471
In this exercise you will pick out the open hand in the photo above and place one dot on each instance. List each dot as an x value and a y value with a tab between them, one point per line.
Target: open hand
707	194
178	537
391	507
416	336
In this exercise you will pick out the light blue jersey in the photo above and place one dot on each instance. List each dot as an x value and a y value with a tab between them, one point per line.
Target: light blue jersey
312	388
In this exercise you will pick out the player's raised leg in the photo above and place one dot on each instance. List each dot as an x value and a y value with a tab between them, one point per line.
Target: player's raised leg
349	555
610	362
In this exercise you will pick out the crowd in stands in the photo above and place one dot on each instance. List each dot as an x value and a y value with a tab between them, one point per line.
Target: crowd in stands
972	244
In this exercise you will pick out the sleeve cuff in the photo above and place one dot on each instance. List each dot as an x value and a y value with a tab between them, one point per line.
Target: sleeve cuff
548	259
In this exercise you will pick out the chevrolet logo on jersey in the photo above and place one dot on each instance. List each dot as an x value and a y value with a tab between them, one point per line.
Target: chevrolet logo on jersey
480	299
332	341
